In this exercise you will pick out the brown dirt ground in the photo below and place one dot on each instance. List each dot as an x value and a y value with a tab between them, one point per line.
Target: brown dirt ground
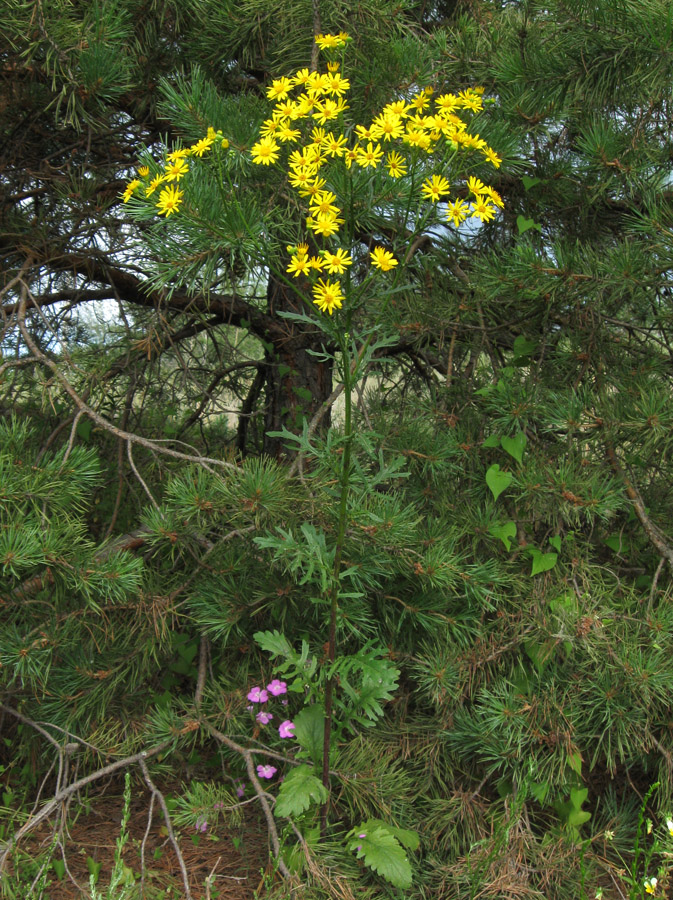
235	856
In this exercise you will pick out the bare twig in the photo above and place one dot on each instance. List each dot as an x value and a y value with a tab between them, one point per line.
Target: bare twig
655	536
169	827
248	756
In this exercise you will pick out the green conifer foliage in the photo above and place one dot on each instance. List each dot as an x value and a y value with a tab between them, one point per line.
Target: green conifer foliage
507	546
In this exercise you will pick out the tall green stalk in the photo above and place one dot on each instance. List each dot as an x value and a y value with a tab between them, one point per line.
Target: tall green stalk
334	593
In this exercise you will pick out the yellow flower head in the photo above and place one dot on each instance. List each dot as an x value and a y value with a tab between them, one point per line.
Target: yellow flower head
328	110
336	262
475	186
130	188
200	147
265	151
180	153
492	156
331	41
363	132
334	146
299	265
434	188
143	171
650	885
396	165
371	156
176	169
383	259
387	126
325	225
279	89
328	296
483	210
285	133
335	84
446	103
154	184
169	200
322	203
301	77
457	211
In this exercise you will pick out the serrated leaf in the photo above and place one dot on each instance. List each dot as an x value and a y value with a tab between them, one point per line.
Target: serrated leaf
497	481
384	854
309	730
514	445
405	836
300	790
504	532
273	642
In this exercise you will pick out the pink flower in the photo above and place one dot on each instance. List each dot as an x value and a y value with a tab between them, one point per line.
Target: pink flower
359	846
277	687
266	771
257	695
286	729
240	790
263	718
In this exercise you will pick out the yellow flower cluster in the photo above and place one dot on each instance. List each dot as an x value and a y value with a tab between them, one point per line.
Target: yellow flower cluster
416	124
306	128
176	167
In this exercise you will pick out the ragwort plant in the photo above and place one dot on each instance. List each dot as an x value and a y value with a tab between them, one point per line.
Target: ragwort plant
409	167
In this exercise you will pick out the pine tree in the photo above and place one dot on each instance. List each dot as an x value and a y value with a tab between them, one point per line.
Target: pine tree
507	535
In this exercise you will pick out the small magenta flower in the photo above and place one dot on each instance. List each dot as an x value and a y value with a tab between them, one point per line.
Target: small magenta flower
359	846
201	824
286	729
263	718
257	695
277	687
266	771
240	789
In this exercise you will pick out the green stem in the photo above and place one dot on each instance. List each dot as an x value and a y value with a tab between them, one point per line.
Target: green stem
334	593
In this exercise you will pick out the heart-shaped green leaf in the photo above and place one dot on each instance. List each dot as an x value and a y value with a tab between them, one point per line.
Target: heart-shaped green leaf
498	481
514	445
524	224
556	542
529	181
504	532
523	347
492	441
542	562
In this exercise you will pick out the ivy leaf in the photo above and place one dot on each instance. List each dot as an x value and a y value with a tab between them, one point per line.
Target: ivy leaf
300	790
514	445
504	532
542	562
383	853
497	481
529	181
524	224
523	348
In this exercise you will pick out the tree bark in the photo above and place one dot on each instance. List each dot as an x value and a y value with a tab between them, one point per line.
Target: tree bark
297	382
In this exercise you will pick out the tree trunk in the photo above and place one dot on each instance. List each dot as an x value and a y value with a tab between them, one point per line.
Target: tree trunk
297	383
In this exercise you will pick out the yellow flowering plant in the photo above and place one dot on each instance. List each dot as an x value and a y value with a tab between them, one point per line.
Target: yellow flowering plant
345	263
